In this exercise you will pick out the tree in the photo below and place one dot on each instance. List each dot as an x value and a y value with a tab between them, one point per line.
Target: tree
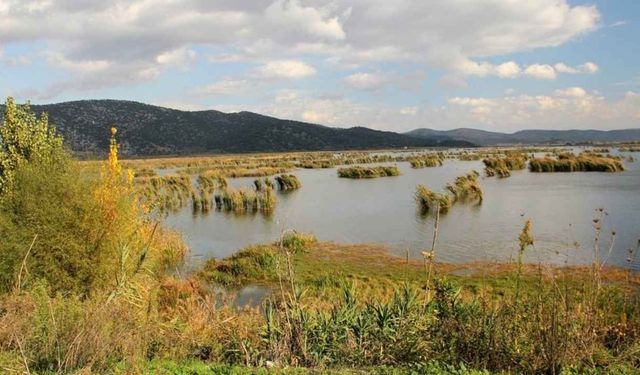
24	137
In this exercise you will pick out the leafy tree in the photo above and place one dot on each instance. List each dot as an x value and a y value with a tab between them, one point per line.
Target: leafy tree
80	230
24	138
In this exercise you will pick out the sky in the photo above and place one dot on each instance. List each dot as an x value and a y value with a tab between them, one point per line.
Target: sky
499	65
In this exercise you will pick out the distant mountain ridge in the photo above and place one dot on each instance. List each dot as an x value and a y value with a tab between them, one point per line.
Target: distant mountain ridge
487	138
145	130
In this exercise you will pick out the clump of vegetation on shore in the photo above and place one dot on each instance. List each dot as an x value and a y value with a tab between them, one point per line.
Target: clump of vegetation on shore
572	163
288	182
368	172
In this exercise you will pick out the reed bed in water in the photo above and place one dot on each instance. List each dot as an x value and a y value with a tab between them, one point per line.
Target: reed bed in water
464	188
255	172
165	193
502	167
245	200
261	185
425	161
572	163
288	182
429	200
368	172
211	181
629	149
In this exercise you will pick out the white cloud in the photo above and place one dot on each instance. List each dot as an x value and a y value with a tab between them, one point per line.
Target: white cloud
564	68
366	81
508	69
589	67
116	42
292	15
181	57
226	86
291	69
79	66
569	108
586	68
511	69
571	92
540	71
409	111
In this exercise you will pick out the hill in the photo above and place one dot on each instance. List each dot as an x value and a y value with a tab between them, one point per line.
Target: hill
482	137
151	130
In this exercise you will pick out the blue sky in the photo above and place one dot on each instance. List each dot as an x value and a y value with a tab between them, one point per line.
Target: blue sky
498	65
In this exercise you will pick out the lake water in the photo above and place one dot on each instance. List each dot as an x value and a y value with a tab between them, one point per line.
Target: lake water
562	207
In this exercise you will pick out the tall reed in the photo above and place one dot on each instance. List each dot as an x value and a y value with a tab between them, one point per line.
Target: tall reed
368	172
572	163
425	161
429	200
288	182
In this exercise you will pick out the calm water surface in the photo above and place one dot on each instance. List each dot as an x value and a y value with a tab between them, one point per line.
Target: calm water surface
562	207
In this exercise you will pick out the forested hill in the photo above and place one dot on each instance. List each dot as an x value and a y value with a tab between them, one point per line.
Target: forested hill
151	130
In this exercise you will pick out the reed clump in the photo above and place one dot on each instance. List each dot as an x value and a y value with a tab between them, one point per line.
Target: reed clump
503	166
245	200
425	161
572	163
466	187
629	149
288	182
429	200
317	164
165	193
368	172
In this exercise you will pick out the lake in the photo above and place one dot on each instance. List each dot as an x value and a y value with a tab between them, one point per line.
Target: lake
562	207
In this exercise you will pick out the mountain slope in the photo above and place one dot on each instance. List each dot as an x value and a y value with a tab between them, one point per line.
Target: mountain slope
482	137
151	130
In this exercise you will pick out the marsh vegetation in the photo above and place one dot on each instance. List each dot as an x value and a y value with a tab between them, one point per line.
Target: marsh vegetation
572	163
502	166
368	172
464	188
